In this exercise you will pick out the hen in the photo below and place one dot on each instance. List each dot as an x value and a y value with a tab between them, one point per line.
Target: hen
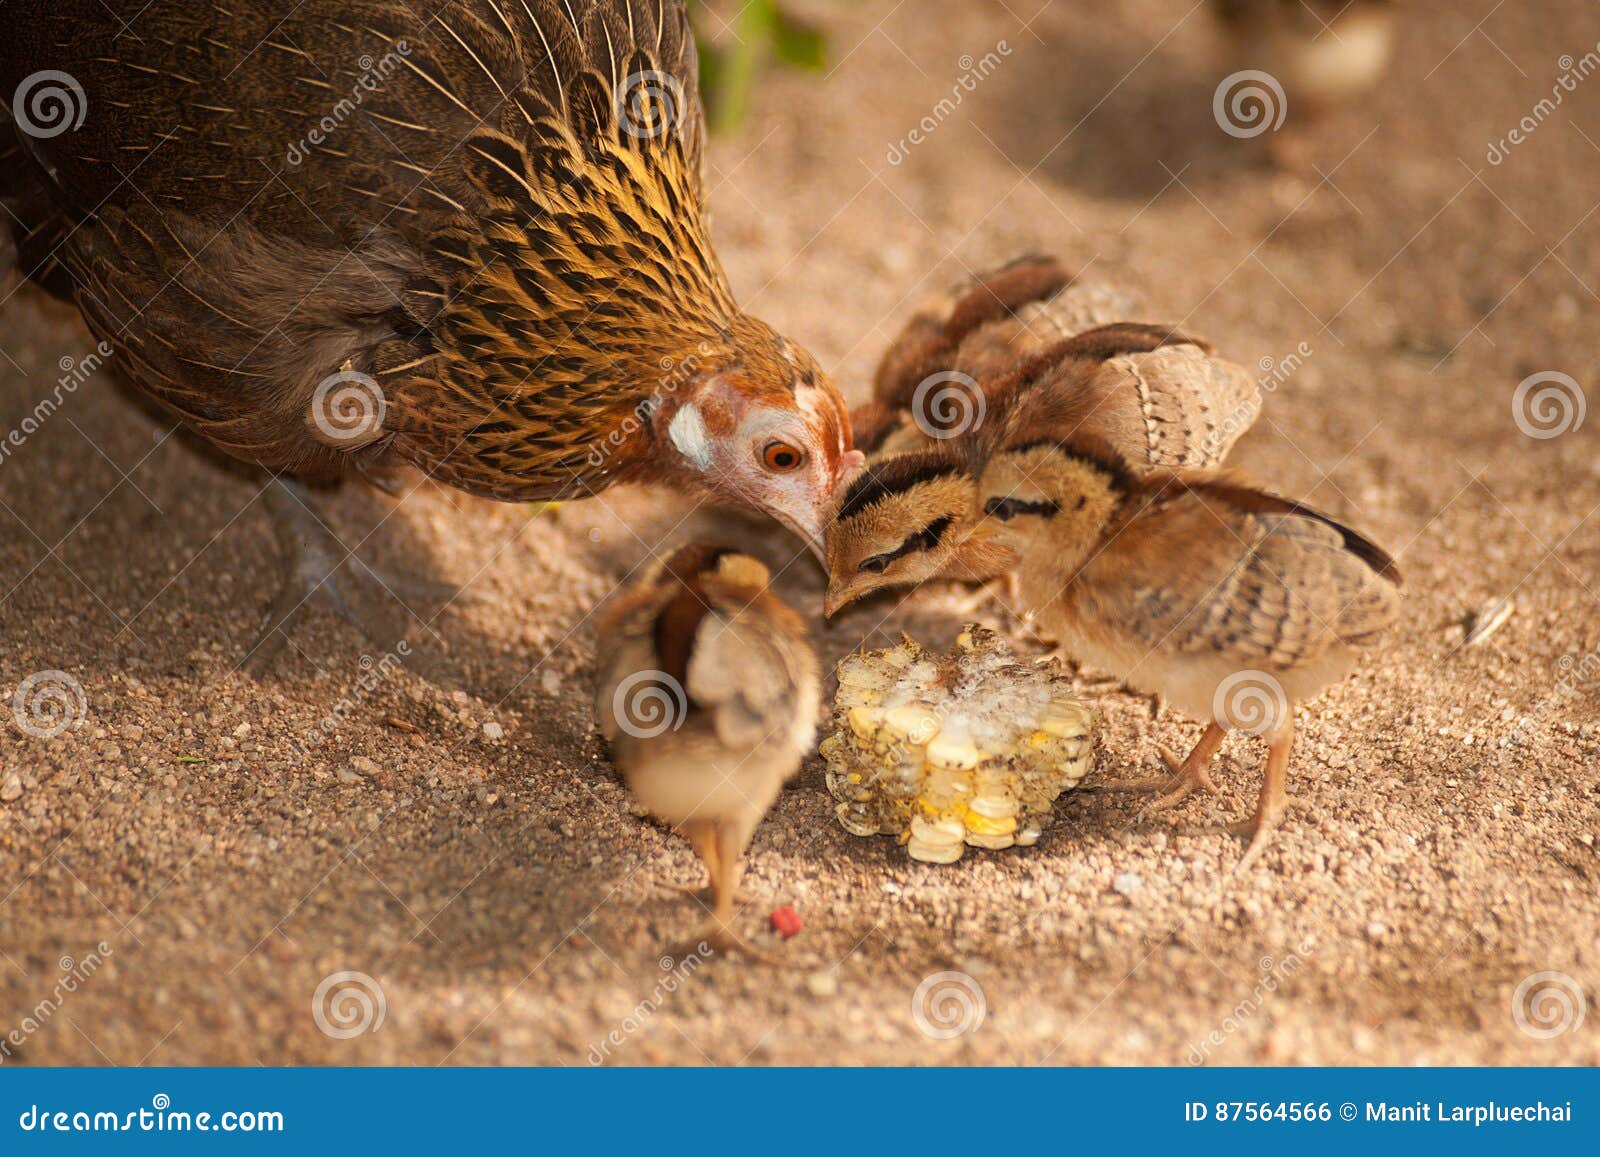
345	236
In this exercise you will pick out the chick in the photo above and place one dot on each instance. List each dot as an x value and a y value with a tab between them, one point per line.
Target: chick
912	518
1158	397
709	697
1232	603
903	521
1161	394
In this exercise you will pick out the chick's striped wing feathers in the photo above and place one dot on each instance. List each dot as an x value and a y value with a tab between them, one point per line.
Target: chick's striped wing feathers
1266	581
1048	357
1151	395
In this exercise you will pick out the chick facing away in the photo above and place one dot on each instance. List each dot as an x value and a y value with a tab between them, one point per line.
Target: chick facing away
1291	62
1324	52
709	697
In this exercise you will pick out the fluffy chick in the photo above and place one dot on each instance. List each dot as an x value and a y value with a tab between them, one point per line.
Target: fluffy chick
709	698
1231	602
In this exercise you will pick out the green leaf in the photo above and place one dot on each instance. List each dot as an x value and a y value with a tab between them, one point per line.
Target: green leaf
799	44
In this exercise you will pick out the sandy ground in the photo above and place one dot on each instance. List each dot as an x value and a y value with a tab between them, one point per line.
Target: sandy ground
1441	844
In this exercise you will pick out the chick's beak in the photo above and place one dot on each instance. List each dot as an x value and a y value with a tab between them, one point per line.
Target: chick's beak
839	597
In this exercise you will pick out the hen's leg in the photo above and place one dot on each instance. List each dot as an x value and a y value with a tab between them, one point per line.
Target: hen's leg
320	569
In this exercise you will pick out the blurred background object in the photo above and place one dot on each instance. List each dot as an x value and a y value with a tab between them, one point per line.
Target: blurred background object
737	40
1297	60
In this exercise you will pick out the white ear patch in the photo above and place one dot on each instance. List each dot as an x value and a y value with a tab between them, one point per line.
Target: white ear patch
689	434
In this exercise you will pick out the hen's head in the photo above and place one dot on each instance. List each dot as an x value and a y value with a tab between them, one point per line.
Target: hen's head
759	425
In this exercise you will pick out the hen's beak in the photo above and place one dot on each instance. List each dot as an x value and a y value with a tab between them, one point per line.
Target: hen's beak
808	528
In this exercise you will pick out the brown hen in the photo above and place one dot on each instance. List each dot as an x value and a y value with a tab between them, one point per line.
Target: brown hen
465	236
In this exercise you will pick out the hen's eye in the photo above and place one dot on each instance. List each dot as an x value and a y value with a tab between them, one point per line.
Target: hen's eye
781	456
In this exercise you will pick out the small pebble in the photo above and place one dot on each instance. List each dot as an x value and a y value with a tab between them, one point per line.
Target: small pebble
348	776
1127	884
823	984
364	766
11	788
493	732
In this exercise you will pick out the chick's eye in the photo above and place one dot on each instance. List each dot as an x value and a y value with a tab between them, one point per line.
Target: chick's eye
877	564
1005	509
781	456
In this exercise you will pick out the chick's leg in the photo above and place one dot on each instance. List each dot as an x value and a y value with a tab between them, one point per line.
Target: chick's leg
727	874
702	837
1192	773
319	568
1269	809
718	933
